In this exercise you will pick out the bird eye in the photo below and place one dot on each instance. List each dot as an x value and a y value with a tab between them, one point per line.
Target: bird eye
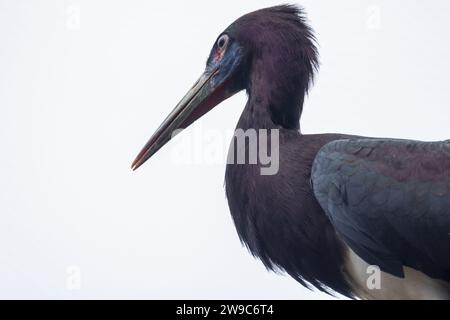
222	42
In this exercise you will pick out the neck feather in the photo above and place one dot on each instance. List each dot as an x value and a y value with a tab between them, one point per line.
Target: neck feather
275	98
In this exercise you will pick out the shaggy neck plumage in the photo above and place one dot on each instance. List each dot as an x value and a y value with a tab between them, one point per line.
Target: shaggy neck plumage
275	98
281	65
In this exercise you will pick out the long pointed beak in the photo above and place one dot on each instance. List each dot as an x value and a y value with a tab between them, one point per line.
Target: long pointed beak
203	96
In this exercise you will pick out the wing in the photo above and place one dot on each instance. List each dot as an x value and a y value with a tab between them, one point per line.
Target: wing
389	200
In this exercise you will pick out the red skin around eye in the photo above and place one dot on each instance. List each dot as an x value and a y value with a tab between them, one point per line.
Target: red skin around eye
218	56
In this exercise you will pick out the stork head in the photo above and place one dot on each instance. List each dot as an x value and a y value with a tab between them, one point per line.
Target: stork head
269	51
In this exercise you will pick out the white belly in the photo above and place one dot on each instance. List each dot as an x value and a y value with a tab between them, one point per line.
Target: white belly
370	283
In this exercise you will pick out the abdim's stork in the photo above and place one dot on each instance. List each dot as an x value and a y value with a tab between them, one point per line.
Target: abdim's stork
337	204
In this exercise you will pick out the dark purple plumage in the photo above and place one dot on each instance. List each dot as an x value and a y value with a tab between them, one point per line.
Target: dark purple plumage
277	217
281	58
386	199
389	200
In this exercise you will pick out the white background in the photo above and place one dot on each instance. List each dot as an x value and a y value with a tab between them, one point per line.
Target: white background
83	84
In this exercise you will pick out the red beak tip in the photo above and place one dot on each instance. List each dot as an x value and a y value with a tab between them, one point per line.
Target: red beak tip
135	165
